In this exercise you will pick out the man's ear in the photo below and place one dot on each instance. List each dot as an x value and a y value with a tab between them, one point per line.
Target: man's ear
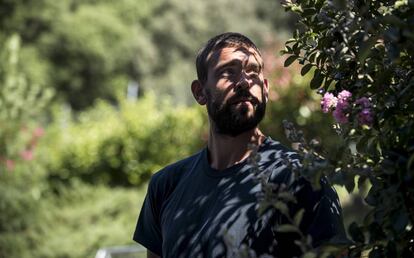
198	92
266	89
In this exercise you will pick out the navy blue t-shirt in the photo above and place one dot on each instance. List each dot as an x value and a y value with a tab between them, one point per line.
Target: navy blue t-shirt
193	210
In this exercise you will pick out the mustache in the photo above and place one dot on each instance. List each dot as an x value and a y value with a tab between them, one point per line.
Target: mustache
243	95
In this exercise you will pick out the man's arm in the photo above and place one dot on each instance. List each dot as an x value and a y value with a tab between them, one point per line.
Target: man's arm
151	254
148	231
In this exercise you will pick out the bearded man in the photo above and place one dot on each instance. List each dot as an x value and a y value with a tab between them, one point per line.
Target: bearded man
207	204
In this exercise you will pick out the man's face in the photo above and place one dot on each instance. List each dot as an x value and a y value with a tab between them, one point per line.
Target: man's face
235	89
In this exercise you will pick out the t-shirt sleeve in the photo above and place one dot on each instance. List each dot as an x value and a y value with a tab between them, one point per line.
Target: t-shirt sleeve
322	218
323	214
148	229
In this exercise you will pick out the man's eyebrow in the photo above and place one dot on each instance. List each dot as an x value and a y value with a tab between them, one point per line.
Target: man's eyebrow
255	65
234	62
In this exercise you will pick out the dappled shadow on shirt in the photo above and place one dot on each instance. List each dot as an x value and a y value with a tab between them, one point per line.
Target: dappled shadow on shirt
212	211
202	212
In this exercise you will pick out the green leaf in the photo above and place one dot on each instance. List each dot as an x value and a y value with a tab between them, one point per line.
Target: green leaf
308	11
366	48
287	228
282	207
309	255
305	69
319	58
287	50
296	48
328	83
287	197
283	51
298	217
297	9
378	148
290	60
312	57
291	40
317	80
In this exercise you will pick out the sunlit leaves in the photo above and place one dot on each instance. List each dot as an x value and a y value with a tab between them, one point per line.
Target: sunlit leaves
317	79
298	217
305	69
366	48
290	60
286	228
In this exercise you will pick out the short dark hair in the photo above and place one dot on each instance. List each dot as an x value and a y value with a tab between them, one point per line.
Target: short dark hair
218	42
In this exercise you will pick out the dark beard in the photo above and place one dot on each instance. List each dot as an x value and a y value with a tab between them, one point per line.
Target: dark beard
231	121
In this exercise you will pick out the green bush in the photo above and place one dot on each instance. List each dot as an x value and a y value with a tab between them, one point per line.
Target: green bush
22	180
151	42
34	222
23	212
123	145
21	103
84	218
362	55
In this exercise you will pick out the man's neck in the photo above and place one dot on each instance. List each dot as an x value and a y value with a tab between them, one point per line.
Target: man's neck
226	151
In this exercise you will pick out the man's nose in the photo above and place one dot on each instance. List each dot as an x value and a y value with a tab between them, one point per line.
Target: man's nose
244	81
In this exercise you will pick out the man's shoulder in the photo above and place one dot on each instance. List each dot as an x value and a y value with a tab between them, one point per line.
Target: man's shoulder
171	174
274	152
278	147
279	162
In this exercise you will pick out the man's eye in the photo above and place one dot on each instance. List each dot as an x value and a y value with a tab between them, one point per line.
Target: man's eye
253	71
227	72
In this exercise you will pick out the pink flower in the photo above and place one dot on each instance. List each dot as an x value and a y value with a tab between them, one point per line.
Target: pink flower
328	102
340	104
341	111
27	154
38	132
365	116
344	96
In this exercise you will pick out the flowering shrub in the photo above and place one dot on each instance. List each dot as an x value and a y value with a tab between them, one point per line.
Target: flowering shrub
342	108
22	181
20	102
116	146
361	53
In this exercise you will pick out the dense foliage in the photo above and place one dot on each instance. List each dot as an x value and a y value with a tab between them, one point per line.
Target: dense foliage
89	50
20	102
361	53
21	180
123	146
54	180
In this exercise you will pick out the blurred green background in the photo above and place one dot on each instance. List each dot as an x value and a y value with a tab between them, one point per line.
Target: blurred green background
95	97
